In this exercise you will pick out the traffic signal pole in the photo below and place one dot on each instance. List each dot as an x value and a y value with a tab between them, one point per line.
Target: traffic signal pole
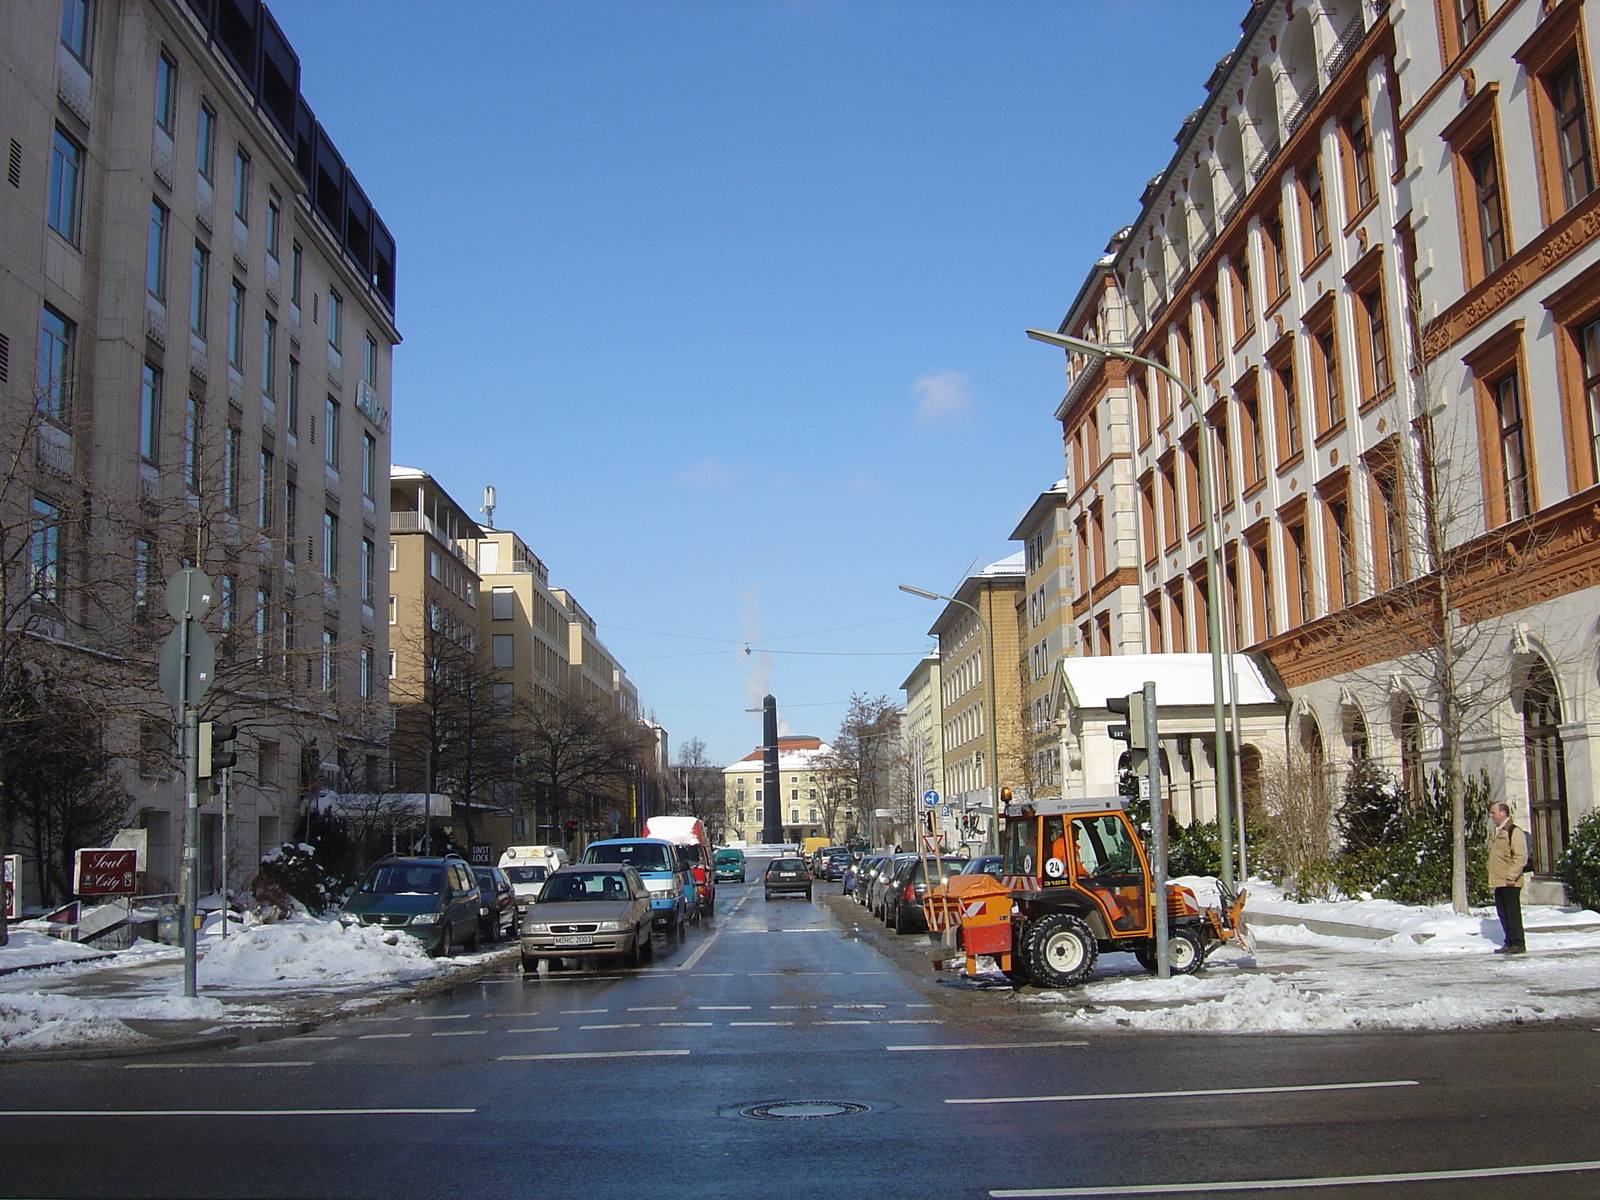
1158	832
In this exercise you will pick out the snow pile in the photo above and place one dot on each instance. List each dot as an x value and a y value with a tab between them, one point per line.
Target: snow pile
26	948
40	1021
1267	1003
307	952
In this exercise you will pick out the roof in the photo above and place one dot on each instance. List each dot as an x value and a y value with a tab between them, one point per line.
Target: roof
930	662
795	753
1056	495
1180	679
1006	572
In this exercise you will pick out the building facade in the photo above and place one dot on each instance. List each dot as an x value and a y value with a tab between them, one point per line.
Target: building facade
196	322
802	778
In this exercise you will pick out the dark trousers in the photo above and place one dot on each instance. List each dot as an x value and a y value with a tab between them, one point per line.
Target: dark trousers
1508	903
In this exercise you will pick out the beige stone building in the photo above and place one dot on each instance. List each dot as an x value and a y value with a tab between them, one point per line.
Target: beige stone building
802	779
196	319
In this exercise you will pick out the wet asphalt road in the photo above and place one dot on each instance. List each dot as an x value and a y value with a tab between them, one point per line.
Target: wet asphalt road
613	1084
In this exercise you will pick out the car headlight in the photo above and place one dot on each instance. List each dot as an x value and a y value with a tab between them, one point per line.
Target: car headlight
610	926
428	918
348	919
535	927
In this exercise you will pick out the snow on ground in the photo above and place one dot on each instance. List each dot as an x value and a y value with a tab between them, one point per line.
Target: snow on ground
25	948
41	1021
308	952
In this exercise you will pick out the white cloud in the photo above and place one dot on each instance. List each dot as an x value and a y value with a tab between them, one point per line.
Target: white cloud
942	396
709	473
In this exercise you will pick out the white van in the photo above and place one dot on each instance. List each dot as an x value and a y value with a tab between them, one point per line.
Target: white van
528	867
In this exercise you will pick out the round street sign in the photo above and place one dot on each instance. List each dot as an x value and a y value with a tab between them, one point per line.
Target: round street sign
930	797
189	594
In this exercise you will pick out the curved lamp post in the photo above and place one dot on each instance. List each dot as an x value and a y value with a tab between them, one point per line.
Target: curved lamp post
1213	575
991	839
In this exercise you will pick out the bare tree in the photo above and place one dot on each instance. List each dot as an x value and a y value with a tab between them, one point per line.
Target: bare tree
860	769
699	788
576	754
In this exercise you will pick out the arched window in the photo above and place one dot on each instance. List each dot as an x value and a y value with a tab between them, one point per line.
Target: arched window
1411	752
1360	742
1547	771
1250	776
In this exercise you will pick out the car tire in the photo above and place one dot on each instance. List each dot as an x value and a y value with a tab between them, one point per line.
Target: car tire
630	956
447	944
647	952
769	895
530	964
682	927
711	906
901	925
474	940
808	893
1062	950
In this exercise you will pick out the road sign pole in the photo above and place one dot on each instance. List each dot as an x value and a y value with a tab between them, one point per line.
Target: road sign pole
1158	833
185	675
227	790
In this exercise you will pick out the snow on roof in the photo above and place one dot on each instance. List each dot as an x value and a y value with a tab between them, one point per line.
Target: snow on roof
1180	679
791	757
1012	564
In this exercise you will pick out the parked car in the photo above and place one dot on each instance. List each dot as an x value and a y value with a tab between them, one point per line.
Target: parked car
985	864
881	879
586	911
729	864
672	890
435	900
835	864
528	867
498	911
688	834
820	857
902	897
865	869
526	883
787	875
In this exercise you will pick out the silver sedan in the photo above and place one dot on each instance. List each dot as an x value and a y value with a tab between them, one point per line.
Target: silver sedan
597	911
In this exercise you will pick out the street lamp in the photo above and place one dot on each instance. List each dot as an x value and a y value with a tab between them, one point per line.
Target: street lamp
992	838
1213	575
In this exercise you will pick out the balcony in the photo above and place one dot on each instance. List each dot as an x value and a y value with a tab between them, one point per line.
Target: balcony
415	522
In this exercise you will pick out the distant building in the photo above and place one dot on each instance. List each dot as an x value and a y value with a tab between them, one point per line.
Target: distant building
802	779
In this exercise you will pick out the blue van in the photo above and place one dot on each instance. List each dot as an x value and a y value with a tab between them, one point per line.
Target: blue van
658	864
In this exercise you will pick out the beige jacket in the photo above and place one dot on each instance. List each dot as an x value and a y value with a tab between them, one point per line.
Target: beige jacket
1508	856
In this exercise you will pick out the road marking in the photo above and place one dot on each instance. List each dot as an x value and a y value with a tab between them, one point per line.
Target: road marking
807	929
709	974
685	1024
373	1037
239	1112
540	1029
593	1054
208	1066
922	1006
869	972
450	1017
1324	1181
990	1046
796	974
459	1032
700	951
573	1012
1245	1091
915	1021
860	1022
751	1024
618	1025
318	1037
369	1019
861	1006
724	1008
656	1008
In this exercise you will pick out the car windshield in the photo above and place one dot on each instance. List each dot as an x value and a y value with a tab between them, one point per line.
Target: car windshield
527	874
584	885
641	856
729	856
691	853
787	864
404	879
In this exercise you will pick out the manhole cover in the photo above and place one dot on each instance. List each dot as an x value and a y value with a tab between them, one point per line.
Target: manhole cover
802	1110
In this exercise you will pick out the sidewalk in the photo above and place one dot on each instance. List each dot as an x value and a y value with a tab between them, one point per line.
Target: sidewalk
261	983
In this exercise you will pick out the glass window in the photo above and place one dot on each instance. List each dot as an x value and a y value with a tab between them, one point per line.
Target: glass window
166	91
297	263
1377	338
1361	157
155	267
54	380
266	491
274	223
335	318
330	545
236	325
230	468
1589	348
369	464
330	660
1507	393
66	186
1491	212
291	407
502	604
269	356
1319	212
291	500
150	415
503	647
141	574
330	435
1469	20
199	286
77	21
44	550
1572	131
193	422
206	141
241	185
369	363
368	564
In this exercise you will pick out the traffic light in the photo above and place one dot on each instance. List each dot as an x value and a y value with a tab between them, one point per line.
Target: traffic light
1131	709
216	748
572	830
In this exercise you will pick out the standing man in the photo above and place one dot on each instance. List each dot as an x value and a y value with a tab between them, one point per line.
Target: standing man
1508	859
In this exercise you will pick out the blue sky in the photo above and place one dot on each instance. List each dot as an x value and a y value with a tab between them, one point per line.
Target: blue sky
727	299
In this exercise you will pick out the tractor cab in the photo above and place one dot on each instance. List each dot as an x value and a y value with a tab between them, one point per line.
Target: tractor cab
1086	847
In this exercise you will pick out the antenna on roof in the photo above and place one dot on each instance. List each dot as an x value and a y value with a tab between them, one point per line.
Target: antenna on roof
488	507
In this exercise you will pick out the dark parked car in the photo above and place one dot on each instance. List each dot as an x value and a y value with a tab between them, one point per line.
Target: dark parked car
787	875
881	878
498	912
589	912
836	864
986	864
863	876
435	900
902	896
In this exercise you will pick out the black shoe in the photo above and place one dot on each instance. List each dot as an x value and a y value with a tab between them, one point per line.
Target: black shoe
1511	949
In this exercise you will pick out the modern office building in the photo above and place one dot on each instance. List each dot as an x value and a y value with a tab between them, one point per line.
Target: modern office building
196	320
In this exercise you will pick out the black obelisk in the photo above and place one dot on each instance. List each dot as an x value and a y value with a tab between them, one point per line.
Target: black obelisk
771	814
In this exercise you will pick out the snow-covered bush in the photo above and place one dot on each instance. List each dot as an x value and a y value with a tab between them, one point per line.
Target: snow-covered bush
1410	861
1579	864
301	871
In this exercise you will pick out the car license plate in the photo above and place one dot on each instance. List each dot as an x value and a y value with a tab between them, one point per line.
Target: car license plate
574	939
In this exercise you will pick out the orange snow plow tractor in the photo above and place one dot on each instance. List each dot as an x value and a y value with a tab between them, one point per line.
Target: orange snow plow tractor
1076	884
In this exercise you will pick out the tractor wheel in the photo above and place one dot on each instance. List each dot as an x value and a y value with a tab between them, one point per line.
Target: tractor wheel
1186	950
1061	951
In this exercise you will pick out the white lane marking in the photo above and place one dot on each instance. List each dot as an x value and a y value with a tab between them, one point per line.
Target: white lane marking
618	1025
685	1024
752	1024
318	1037
796	974
238	1112
915	1021
1324	1181
922	1006
374	1037
861	1006
724	1008
700	951
860	1022
594	1054
656	1008
573	1012
539	1029
370	1019
450	1017
807	929
459	1032
990	1046
869	972
1243	1091
207	1066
